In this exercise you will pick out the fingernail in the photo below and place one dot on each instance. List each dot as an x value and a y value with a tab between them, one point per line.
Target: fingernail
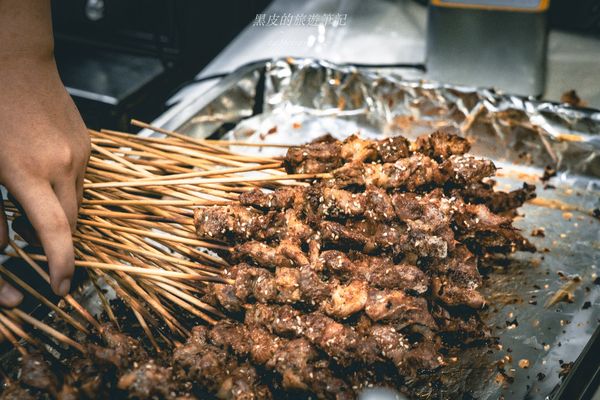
63	288
9	296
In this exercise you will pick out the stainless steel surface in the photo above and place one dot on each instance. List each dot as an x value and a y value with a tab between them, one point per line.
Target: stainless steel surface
488	48
305	98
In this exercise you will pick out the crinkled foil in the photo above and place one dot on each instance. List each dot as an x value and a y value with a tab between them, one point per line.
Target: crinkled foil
297	100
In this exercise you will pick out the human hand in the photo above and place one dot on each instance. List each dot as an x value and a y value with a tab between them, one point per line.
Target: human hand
44	148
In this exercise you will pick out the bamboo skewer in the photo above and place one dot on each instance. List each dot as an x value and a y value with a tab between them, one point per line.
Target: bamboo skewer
11	325
135	228
146	272
155	235
12	339
43	299
198	181
47	329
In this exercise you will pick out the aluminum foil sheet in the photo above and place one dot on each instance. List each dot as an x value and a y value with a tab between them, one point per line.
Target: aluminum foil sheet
297	100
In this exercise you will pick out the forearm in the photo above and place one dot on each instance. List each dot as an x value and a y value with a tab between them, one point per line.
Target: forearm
26	31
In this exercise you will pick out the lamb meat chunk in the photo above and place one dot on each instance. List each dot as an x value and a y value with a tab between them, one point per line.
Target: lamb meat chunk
338	202
496	201
398	307
393	148
254	282
287	254
386	275
455	293
204	363
37	373
262	254
147	381
280	320
355	148
296	359
15	392
287	282
460	262
315	157
391	344
227	297
442	144
314	289
127	348
230	336
280	199
337	261
484	231
243	384
337	340
347	300
264	346
409	174
379	205
467	169
289	226
232	222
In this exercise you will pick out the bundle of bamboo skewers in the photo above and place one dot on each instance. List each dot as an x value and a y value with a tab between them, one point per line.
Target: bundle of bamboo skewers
135	231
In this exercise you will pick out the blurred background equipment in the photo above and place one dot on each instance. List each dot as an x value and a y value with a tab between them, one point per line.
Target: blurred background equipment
500	43
123	58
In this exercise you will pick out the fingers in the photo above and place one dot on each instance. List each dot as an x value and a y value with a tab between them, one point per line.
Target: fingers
67	195
3	226
51	224
9	296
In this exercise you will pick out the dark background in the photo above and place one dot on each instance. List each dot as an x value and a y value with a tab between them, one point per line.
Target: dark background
124	58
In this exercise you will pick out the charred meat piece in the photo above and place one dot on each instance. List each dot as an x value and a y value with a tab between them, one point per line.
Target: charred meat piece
373	203
370	237
204	363
442	144
231	222
457	279
380	272
392	149
148	380
295	360
280	199
36	373
347	300
14	391
454	291
356	149
384	274
398	307
414	172
237	223
319	156
467	169
496	201
483	231
339	341
286	285
287	254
